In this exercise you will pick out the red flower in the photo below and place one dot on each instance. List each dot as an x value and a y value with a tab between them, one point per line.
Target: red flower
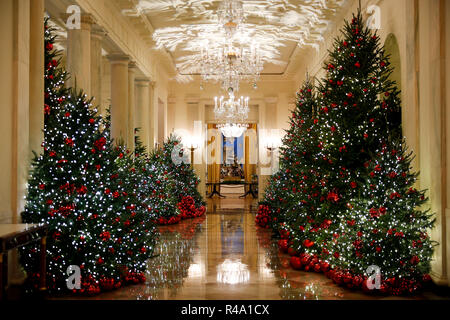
100	143
336	255
105	235
333	197
69	142
358	65
82	190
353	184
415	260
308	243
41	186
392	174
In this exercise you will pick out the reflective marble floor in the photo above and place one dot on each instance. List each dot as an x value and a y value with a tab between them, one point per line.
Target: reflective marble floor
224	256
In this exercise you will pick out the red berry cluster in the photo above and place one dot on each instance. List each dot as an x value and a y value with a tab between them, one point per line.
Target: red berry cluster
107	284
188	210
168	221
263	216
312	263
134	277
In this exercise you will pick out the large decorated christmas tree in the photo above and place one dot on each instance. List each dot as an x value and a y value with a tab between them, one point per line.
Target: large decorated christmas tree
84	190
361	207
172	158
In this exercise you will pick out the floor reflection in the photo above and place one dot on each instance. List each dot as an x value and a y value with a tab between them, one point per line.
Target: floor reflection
225	256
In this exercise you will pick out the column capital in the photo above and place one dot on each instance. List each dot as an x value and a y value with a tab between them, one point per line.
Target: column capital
192	99
86	19
132	66
98	32
118	58
142	81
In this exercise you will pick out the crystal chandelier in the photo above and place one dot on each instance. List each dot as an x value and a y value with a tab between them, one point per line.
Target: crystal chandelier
231	59
234	130
229	63
232	113
231	110
231	15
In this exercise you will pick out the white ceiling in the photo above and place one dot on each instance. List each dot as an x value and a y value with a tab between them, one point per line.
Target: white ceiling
277	26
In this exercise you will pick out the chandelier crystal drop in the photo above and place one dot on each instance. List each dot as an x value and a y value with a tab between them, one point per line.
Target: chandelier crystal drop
231	110
231	15
232	130
232	114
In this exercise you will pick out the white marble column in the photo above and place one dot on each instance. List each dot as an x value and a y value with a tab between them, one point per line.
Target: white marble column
79	55
119	97
142	110
131	103
152	116
97	35
15	62
106	85
36	79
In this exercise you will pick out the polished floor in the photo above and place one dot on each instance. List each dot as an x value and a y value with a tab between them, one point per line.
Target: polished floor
225	256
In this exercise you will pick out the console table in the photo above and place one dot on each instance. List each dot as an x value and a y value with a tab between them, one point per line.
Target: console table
17	235
216	191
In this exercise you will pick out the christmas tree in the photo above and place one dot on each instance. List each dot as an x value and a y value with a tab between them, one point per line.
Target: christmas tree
293	193
161	192
363	209
190	201
79	187
376	209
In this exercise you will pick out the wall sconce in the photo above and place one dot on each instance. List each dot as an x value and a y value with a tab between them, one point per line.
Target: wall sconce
192	146
272	143
271	147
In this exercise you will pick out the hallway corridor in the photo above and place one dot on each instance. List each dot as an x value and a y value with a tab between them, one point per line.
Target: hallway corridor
224	256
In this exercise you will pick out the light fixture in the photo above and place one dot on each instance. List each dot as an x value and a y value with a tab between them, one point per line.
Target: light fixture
230	62
232	272
232	130
232	58
231	14
231	110
232	113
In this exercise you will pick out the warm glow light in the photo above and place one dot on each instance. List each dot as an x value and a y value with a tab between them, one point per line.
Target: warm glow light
232	272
